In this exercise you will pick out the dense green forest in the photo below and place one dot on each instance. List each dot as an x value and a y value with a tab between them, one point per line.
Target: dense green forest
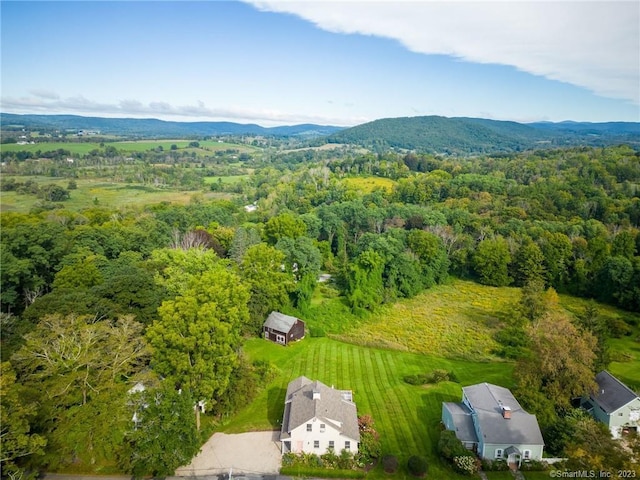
97	299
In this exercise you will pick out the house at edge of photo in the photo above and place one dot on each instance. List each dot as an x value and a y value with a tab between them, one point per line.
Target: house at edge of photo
614	404
490	421
318	418
283	329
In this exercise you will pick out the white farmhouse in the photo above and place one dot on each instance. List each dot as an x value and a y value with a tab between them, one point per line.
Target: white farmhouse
317	418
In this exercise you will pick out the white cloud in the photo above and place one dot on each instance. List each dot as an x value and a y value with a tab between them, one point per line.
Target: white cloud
591	44
54	104
43	93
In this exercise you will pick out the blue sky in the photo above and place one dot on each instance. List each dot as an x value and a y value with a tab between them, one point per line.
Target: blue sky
336	62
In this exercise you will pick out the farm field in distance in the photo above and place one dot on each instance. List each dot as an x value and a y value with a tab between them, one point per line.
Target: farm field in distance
105	193
83	148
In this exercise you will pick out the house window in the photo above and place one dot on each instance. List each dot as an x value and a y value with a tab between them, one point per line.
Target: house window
316	444
498	453
526	455
331	444
322	427
280	338
308	427
347	445
620	414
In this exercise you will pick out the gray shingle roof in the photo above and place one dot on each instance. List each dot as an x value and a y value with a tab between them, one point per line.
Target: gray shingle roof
280	322
332	407
463	422
612	393
487	401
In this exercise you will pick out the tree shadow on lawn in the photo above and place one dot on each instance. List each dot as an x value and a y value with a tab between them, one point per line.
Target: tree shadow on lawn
275	406
430	411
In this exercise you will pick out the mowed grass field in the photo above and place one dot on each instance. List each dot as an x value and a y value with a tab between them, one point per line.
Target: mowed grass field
407	417
108	194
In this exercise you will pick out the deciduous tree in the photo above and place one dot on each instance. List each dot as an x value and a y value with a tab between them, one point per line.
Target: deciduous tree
17	413
491	262
196	338
559	368
165	436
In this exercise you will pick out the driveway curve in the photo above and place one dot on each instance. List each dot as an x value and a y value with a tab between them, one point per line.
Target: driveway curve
249	453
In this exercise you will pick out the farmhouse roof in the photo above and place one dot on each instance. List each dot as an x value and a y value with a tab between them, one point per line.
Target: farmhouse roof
487	402
463	422
307	399
612	393
280	322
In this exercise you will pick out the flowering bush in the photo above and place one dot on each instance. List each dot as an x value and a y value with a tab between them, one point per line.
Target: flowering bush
467	465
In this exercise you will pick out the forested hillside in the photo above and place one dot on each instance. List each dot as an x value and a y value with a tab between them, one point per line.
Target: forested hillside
97	298
150	127
474	136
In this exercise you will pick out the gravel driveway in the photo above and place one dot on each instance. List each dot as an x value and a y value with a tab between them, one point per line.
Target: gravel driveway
252	453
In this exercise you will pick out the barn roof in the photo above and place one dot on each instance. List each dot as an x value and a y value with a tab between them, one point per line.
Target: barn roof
280	322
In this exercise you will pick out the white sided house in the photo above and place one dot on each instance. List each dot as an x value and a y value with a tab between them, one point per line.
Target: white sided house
491	422
614	404
317	418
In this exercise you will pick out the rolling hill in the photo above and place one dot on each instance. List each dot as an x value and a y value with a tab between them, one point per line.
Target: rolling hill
464	136
430	134
149	127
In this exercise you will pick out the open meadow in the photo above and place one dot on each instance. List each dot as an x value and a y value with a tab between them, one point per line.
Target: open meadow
105	193
369	184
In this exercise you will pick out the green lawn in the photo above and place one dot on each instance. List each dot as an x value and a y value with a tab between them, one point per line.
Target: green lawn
499	475
627	371
538	475
407	417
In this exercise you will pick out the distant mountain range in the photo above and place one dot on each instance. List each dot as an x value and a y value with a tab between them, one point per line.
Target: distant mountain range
477	135
150	127
456	136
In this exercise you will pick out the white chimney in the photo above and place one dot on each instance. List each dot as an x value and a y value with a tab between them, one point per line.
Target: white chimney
316	395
